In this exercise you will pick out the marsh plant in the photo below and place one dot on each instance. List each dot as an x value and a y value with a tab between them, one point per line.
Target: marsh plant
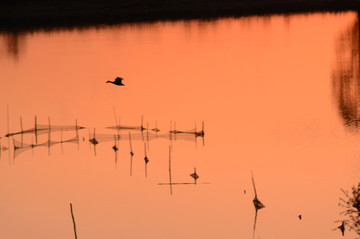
351	205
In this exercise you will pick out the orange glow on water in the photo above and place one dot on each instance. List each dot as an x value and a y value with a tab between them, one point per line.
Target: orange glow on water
263	87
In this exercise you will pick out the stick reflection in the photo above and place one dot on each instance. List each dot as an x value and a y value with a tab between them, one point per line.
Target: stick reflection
257	204
194	175
146	160
131	154
346	76
95	138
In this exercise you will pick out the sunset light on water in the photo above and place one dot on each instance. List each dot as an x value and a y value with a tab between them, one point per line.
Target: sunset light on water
268	100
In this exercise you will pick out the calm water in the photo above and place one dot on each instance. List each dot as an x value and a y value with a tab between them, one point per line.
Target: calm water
279	97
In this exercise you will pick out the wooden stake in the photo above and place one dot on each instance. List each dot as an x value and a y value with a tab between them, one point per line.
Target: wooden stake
77	133
22	132
131	154
170	170
36	139
73	219
49	137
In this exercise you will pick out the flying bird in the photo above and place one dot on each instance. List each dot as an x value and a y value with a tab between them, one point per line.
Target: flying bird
117	81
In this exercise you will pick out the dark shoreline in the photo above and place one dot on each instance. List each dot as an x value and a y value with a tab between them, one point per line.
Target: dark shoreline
29	15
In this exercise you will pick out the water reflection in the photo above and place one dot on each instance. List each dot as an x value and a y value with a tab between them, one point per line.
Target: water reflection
19	146
346	77
194	175
115	148
146	159
257	204
95	138
14	42
257	118
131	154
351	205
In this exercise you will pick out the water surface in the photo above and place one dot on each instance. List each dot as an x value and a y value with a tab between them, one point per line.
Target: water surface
274	94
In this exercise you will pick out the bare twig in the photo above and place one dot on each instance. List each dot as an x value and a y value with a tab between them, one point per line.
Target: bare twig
73	219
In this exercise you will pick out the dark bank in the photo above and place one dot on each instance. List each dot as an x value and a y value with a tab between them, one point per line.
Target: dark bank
21	14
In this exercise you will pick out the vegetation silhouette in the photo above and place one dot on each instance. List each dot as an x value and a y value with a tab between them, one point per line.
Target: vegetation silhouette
131	154
351	205
346	75
93	141
257	204
146	159
194	175
18	146
115	148
22	14
170	181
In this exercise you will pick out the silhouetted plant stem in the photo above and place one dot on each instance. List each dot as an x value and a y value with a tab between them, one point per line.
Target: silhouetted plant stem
170	170
73	219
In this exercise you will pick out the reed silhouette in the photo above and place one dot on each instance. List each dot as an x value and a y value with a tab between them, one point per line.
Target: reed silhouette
61	142
156	129
146	160
171	183
119	127
22	130
66	13
346	75
257	204
44	129
115	148
351	213
93	141
116	137
20	147
73	220
131	154
44	135
49	136
194	175
142	128
170	170
342	228
189	135
109	137
36	130
200	133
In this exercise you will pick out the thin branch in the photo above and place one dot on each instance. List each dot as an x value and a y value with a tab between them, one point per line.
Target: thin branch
73	219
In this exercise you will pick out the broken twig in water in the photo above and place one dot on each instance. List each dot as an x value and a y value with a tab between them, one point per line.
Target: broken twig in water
73	219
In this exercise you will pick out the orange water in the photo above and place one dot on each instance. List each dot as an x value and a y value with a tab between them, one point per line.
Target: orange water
267	88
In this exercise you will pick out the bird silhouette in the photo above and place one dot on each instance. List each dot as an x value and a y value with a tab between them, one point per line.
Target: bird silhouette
117	81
